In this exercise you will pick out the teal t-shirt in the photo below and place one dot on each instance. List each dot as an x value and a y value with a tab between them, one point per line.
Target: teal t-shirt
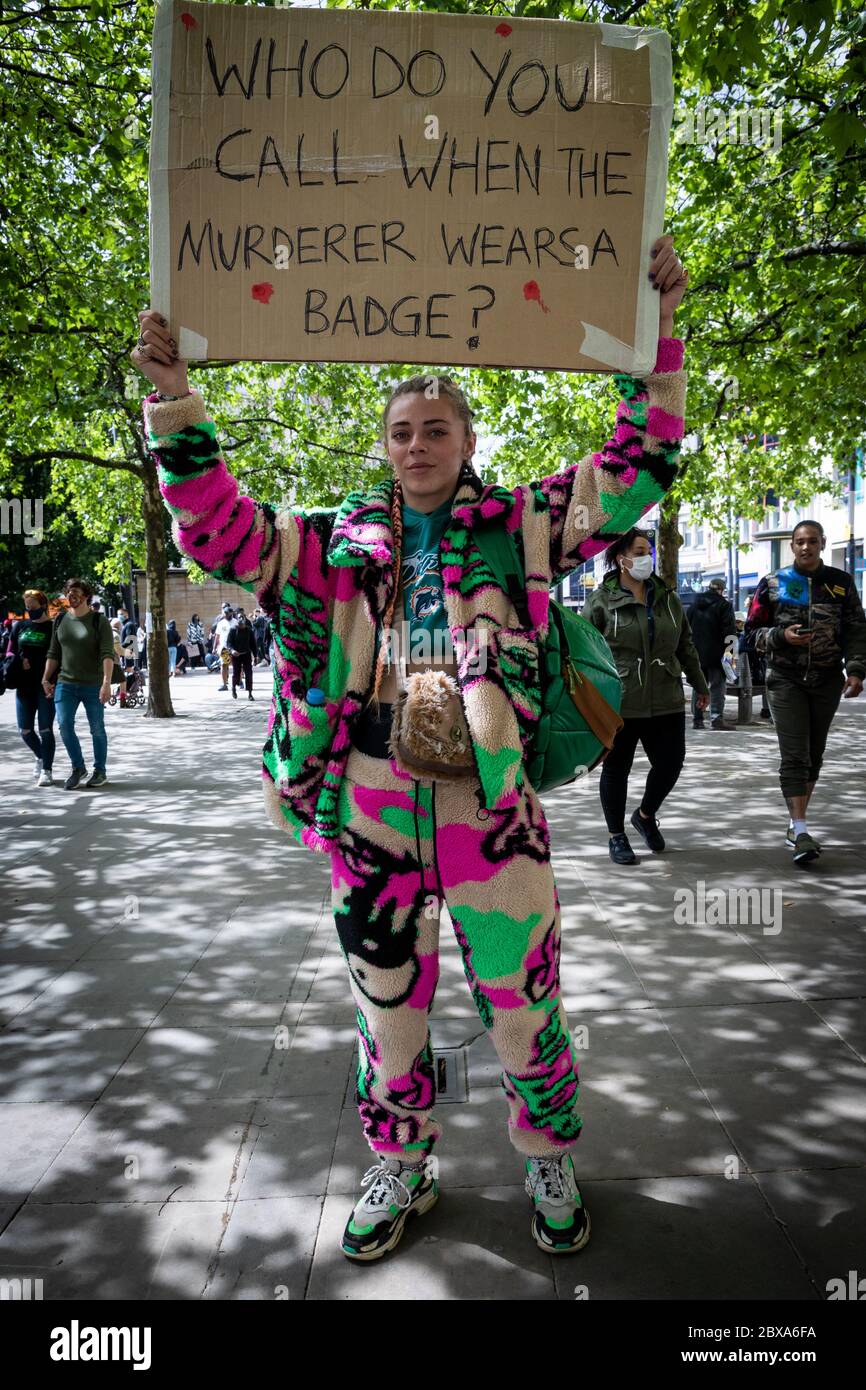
423	588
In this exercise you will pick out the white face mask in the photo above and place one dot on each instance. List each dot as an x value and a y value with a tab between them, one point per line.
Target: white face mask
641	567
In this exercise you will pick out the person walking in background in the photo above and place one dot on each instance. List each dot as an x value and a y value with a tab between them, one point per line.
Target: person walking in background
808	621
116	625
82	649
262	630
172	637
751	666
195	636
241	644
141	643
128	643
26	654
220	644
714	629
648	634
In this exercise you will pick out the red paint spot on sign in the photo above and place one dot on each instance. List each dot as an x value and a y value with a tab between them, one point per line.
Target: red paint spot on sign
503	29
263	292
189	21
531	291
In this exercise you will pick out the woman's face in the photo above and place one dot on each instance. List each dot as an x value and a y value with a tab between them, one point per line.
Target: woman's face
427	444
639	546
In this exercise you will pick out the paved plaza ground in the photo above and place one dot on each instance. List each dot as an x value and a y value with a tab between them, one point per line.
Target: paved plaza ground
178	1042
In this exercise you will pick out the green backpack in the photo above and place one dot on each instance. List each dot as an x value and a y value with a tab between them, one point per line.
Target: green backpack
581	693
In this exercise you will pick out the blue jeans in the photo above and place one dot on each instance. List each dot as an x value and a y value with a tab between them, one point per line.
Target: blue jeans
68	695
35	711
172	658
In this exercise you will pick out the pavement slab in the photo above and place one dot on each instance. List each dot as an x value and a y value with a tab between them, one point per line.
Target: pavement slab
178	1044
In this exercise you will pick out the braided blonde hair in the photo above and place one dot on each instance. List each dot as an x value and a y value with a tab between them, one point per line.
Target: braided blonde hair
397	530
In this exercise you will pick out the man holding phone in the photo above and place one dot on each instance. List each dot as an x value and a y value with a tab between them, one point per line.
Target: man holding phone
808	621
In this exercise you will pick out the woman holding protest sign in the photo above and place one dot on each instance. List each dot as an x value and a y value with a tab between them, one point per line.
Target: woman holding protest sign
342	772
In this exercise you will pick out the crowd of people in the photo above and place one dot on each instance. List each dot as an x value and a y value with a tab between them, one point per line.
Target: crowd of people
653	642
81	657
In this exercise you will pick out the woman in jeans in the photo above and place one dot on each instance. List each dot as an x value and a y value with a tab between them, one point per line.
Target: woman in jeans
28	644
336	584
648	633
172	637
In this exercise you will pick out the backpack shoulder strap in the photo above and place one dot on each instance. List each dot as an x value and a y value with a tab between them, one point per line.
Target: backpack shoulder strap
501	555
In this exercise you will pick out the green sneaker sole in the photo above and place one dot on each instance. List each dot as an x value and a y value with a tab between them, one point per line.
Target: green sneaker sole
364	1256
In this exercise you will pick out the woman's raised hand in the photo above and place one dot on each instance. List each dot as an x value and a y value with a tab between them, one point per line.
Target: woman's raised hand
668	277
155	355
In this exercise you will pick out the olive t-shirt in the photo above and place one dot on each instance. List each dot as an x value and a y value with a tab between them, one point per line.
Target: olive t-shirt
80	647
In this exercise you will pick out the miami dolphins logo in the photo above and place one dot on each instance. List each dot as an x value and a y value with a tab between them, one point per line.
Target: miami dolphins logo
425	600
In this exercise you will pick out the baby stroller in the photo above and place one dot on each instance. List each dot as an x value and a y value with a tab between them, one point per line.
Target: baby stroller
136	690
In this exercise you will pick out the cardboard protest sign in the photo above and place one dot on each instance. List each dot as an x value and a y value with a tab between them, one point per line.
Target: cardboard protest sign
389	187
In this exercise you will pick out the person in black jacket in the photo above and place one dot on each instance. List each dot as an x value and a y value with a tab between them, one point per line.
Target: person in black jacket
714	630
28	648
262	630
808	621
241	642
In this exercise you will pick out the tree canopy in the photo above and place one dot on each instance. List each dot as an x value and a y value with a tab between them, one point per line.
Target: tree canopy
774	240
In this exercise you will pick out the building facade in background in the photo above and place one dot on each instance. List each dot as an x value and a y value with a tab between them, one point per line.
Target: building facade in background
764	545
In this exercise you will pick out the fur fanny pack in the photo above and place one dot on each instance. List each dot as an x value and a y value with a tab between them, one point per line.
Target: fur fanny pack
429	734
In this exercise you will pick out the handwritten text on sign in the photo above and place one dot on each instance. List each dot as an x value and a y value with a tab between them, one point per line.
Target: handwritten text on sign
401	187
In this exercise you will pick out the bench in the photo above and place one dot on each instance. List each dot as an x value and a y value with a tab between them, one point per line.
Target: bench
745	694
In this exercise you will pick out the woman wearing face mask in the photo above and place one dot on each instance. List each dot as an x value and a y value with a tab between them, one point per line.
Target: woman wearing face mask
27	650
648	633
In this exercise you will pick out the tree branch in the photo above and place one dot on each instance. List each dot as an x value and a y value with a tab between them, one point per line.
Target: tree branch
626	14
794	253
43	77
310	443
47	455
745	337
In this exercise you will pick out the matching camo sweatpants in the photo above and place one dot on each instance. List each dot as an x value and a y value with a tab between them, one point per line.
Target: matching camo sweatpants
404	847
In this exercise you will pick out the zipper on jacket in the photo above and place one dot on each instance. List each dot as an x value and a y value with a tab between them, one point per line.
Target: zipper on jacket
809	647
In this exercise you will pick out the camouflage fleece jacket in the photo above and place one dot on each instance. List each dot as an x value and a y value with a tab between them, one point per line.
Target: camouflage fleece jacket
324	576
826	601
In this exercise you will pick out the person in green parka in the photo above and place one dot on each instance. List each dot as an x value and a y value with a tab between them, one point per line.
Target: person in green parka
645	626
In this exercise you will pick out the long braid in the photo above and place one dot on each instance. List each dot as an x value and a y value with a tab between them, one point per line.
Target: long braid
397	532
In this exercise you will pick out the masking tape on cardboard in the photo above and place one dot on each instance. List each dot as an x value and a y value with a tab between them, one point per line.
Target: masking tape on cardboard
191	346
160	251
658	46
604	347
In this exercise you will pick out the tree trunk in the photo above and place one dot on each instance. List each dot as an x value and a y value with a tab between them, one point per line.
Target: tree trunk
159	704
669	542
